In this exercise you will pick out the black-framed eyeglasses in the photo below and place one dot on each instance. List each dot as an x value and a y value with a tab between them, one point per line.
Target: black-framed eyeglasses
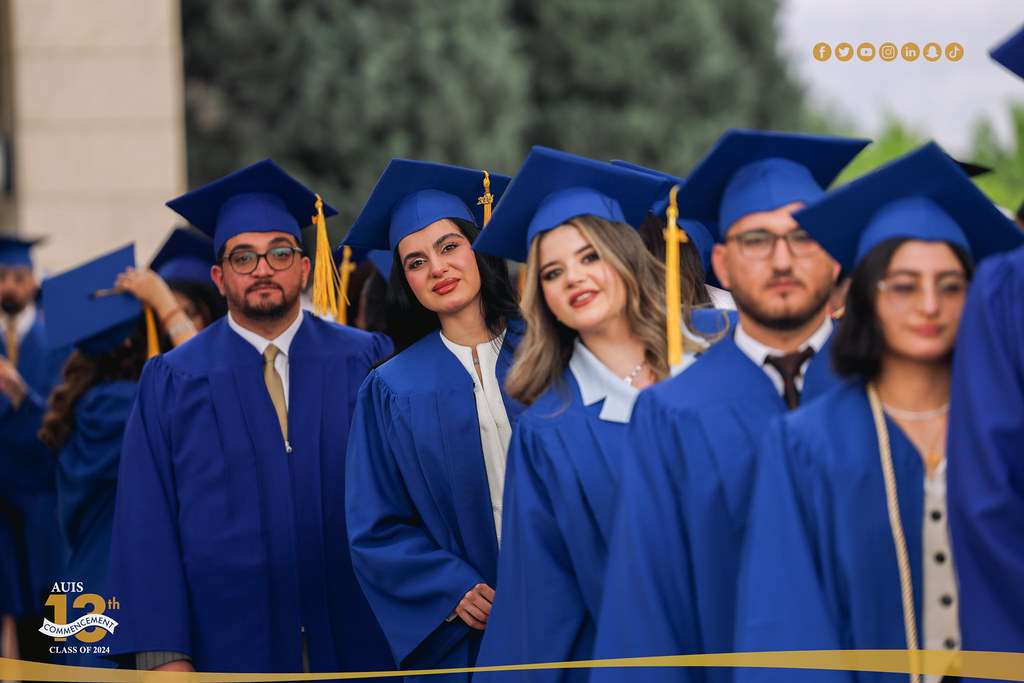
245	261
760	244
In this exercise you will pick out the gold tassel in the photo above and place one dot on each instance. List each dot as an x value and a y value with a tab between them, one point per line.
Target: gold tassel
674	236
325	275
345	273
152	341
487	199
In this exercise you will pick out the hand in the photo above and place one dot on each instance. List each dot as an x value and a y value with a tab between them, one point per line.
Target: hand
149	288
176	665
475	606
11	383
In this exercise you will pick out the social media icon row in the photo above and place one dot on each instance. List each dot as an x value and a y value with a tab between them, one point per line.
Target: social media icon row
888	52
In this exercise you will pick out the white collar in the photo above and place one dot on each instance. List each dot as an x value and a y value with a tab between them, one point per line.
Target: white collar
757	351
283	341
23	321
597	383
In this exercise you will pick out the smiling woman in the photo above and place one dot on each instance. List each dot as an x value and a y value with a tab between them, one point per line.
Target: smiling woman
426	467
595	311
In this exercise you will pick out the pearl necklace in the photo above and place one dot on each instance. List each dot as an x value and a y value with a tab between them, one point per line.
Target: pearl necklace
916	416
628	379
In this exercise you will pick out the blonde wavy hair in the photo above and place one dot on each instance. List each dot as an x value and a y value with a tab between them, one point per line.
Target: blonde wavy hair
544	353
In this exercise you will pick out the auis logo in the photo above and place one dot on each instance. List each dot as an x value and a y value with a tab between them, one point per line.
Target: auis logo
88	621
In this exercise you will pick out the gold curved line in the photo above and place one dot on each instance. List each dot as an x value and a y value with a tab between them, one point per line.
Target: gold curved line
1005	666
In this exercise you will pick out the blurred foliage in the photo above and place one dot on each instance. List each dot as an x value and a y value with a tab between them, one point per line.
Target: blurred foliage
1004	183
333	89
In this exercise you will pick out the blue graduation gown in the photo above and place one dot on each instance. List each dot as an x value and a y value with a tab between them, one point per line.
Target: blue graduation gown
674	554
86	483
561	487
820	569
225	546
31	553
420	522
986	465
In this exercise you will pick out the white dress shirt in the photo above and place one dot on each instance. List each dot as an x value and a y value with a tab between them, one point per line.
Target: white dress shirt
495	429
758	352
283	342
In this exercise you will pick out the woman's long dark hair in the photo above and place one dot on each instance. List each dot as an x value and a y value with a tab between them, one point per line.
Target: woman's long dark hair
408	320
858	343
83	372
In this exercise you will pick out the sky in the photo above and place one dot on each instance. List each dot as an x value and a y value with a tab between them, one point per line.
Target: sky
941	99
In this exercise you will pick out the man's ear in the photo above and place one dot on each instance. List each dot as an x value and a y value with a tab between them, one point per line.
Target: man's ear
719	261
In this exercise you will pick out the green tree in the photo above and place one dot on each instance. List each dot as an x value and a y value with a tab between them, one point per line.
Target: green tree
333	90
655	82
1005	184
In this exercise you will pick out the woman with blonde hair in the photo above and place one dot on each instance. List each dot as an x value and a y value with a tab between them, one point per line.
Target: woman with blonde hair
594	307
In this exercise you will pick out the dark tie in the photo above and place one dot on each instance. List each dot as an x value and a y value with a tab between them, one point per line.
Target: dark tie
789	367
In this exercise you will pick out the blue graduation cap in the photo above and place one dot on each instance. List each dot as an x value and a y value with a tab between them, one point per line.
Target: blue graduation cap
1011	53
552	187
923	195
82	310
380	258
748	171
15	251
695	230
410	195
258	198
186	256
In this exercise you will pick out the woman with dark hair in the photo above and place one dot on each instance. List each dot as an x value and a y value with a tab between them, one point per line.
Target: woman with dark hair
426	454
184	263
88	410
594	303
848	546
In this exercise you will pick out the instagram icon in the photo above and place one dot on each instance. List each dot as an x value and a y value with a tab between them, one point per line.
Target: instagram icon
887	51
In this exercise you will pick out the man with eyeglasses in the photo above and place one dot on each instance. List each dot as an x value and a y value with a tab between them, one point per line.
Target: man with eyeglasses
674	554
229	549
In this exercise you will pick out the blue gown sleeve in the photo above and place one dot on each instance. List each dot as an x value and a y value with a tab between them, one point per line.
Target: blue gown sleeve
146	572
787	582
410	581
649	606
24	461
539	613
986	467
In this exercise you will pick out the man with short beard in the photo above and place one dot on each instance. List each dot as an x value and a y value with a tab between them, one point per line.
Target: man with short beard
674	554
30	547
229	549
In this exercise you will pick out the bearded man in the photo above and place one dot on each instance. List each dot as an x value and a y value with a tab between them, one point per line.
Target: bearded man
674	553
229	549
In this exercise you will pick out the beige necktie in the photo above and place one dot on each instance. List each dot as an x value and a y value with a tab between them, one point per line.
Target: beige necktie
12	341
275	387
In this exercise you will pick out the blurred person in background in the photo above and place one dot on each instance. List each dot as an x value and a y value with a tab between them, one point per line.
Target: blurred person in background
848	546
88	410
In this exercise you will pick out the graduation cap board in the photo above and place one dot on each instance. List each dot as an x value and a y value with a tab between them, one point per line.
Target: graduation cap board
695	230
1010	53
15	251
186	256
263	198
257	198
380	258
553	187
924	195
750	171
410	195
83	311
